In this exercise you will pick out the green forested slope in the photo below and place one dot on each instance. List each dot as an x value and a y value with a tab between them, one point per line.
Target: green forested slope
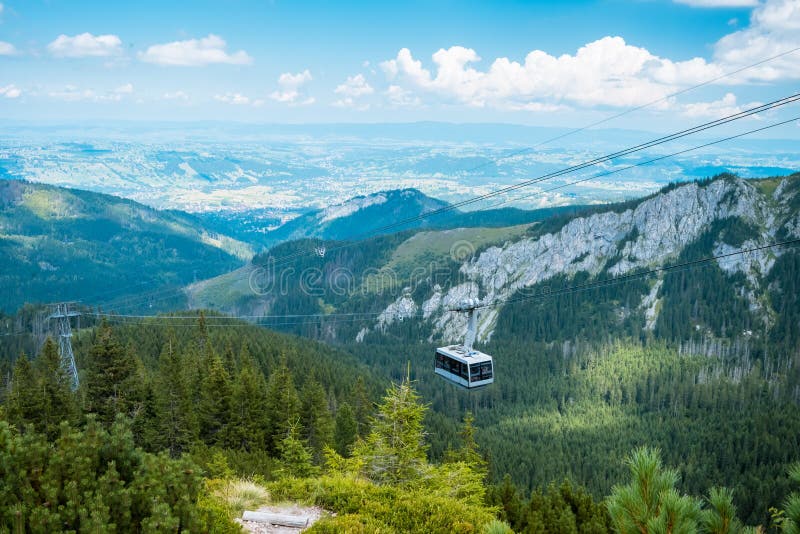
65	244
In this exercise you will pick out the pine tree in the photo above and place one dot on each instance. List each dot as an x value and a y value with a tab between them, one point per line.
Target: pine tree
721	518
249	421
214	407
59	402
177	423
346	429
791	523
283	407
112	378
316	418
650	502
394	452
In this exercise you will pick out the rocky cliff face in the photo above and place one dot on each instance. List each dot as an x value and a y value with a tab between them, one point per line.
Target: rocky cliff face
651	234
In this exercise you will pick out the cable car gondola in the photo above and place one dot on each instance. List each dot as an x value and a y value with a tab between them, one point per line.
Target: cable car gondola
461	364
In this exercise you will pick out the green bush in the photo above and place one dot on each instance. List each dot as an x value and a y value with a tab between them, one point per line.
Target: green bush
96	480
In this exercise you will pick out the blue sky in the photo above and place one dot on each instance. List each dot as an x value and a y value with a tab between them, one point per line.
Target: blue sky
542	63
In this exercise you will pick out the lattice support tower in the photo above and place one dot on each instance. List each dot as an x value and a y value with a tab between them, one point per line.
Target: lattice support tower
62	314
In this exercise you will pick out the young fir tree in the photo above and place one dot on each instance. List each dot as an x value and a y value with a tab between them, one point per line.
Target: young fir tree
346	429
176	419
316	418
283	407
296	458
394	452
59	402
112	378
25	404
214	407
248	424
468	452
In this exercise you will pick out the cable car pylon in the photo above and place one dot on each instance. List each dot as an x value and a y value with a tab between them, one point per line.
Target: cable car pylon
462	364
62	313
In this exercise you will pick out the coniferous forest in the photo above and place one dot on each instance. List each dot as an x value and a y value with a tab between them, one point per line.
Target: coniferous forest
181	426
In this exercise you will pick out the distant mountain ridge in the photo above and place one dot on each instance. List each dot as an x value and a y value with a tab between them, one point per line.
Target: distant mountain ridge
682	222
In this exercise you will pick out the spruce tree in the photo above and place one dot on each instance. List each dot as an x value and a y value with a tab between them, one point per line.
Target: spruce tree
177	423
316	418
283	407
362	406
295	455
25	404
214	408
468	452
112	378
394	452
59	402
346	429
249	421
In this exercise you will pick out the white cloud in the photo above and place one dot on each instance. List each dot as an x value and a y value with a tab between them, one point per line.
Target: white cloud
85	45
176	95
774	29
194	52
7	49
290	91
233	98
718	3
605	72
718	108
354	86
351	90
10	91
72	93
401	98
124	89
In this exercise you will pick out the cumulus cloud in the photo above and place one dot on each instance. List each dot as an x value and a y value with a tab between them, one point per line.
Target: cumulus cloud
194	52
351	90
401	98
85	45
354	86
605	72
718	3
7	49
291	88
723	107
774	28
10	91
